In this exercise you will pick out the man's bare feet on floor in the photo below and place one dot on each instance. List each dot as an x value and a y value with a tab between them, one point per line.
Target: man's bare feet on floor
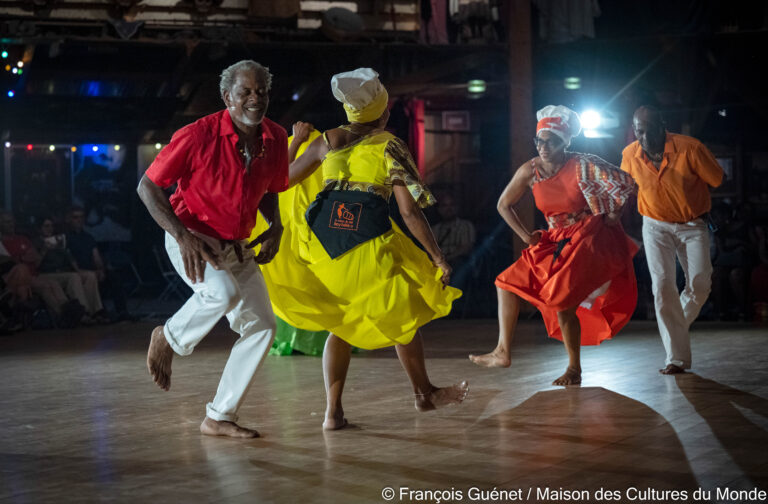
159	358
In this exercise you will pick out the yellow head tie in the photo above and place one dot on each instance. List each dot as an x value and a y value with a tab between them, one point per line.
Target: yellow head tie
370	112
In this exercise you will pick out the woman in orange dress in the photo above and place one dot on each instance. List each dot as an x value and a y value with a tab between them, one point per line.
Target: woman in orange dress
578	273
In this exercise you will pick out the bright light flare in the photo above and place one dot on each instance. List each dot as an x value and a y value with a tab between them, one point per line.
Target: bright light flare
590	119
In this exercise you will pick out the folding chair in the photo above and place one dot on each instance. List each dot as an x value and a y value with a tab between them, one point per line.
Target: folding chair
174	285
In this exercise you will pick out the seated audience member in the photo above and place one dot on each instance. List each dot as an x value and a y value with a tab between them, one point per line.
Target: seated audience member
732	261
82	245
455	236
758	282
57	263
22	251
16	302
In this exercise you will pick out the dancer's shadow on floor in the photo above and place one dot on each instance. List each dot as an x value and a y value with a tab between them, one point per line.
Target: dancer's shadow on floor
588	438
731	414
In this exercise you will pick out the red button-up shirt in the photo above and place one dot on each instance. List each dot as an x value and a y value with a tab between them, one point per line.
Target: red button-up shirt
216	196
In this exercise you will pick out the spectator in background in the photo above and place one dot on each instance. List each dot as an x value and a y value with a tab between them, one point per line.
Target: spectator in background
758	282
82	246
732	261
15	293
22	251
57	264
455	236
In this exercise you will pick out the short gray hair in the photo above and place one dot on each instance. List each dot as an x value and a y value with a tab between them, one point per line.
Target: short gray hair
229	74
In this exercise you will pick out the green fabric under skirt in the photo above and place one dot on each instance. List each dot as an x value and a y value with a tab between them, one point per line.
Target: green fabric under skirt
289	338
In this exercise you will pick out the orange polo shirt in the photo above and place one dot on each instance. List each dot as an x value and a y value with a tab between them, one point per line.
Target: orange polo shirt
679	190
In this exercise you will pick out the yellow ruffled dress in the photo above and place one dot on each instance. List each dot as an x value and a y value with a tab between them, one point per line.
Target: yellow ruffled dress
293	204
378	293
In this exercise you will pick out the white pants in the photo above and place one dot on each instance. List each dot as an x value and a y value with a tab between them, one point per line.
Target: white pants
238	291
675	312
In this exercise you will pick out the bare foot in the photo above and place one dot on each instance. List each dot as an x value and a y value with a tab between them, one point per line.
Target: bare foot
672	369
334	420
497	358
441	397
211	427
159	357
572	376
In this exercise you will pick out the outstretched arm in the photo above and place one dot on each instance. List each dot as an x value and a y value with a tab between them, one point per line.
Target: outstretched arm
194	251
308	162
301	131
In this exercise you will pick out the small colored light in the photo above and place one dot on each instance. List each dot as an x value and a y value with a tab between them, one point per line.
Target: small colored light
51	148
19	64
11	94
158	146
15	70
295	97
572	83
73	148
7	68
95	148
20	72
7	145
117	147
476	86
29	146
4	54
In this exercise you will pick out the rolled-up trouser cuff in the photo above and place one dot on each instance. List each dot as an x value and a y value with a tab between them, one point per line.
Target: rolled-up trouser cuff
179	349
219	417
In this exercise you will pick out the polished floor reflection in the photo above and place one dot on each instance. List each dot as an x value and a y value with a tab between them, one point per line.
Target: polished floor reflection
82	422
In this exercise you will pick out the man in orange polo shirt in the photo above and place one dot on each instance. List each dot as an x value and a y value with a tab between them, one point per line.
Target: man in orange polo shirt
674	173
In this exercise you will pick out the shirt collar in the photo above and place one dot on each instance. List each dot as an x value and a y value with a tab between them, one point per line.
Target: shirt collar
669	147
226	127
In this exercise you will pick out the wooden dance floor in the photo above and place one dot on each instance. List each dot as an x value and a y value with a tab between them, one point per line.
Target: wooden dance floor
83	422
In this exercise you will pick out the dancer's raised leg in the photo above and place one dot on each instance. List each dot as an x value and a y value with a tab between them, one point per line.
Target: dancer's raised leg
428	397
509	311
571	328
336	357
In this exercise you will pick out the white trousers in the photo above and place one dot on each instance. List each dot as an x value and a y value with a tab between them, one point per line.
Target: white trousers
238	291
675	312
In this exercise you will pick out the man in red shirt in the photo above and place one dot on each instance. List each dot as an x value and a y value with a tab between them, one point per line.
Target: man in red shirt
227	166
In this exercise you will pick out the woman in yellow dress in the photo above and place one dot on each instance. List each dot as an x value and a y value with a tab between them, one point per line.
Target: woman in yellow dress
361	277
286	267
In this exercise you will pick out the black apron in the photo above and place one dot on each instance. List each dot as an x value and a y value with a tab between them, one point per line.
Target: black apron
342	220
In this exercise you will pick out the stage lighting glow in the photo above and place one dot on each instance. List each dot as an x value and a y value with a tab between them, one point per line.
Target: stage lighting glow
295	97
30	146
95	148
19	64
158	146
4	54
476	86
572	83
7	145
73	148
20	71
117	147
51	148
7	68
15	70
11	94
590	119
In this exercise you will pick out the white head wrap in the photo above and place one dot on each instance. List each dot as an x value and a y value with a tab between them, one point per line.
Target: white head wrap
560	120
361	92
